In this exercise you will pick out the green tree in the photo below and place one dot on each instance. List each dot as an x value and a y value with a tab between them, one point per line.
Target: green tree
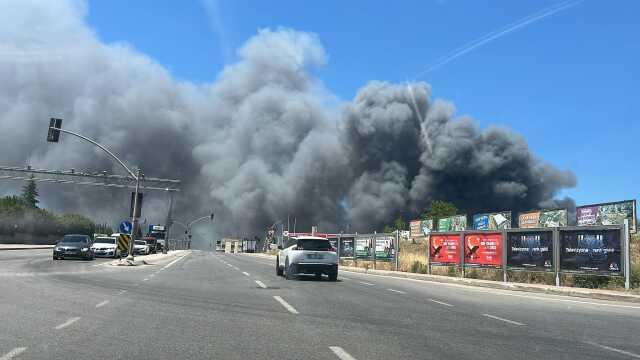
388	229
30	193
400	224
439	209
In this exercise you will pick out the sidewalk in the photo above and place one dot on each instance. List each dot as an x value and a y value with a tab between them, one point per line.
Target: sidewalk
24	247
534	288
152	259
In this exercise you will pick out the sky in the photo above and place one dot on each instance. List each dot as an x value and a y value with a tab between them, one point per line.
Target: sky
565	82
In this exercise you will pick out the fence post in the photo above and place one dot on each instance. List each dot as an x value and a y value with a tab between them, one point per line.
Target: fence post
505	243
462	253
397	248
429	253
556	254
627	255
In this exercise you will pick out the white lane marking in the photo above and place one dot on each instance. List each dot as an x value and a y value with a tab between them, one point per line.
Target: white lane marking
11	354
174	261
503	319
261	284
286	305
440	302
366	283
397	291
152	275
102	304
122	292
145	279
246	273
340	353
67	323
235	267
501	292
229	265
633	355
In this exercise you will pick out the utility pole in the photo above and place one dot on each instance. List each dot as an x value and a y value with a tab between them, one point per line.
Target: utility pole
167	235
134	217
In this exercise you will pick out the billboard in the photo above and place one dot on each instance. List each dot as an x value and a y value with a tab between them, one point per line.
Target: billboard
426	226
444	249
364	244
452	223
415	228
543	218
346	247
493	221
384	247
607	214
483	249
334	242
591	251
532	250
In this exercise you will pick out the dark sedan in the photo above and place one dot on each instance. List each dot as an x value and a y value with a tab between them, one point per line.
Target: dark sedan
78	246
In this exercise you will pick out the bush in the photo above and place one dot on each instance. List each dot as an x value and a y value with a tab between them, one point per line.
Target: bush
419	268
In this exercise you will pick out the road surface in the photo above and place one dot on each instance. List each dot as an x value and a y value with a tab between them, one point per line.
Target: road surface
221	306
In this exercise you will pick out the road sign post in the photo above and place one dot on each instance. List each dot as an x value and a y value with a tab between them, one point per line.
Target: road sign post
627	255
134	219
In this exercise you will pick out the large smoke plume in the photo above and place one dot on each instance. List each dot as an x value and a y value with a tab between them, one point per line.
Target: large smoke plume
262	141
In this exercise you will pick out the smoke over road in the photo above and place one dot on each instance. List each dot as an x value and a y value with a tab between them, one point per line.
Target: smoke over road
260	142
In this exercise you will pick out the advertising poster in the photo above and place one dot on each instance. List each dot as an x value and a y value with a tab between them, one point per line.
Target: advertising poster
445	249
530	250
591	251
364	245
453	223
494	221
427	226
607	214
543	218
483	249
334	243
415	228
346	247
384	247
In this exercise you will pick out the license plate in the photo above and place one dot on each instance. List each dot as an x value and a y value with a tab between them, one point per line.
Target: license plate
315	256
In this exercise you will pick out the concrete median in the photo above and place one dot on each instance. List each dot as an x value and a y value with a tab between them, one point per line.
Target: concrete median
152	259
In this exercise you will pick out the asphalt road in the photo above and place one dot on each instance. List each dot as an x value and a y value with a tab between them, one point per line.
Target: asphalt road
215	306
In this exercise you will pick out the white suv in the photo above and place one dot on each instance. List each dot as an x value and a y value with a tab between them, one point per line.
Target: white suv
308	255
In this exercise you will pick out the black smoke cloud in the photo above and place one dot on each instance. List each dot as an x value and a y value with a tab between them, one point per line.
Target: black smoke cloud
264	140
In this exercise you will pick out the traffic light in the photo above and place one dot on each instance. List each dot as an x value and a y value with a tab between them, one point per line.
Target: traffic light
54	130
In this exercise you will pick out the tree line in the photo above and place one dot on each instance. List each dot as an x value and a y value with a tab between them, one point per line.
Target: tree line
436	210
21	214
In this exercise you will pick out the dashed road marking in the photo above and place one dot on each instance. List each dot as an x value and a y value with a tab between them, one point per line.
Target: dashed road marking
102	304
67	323
145	279
397	291
122	292
13	353
366	283
503	319
340	353
152	275
261	284
246	273
286	305
229	265
628	353
174	261
440	302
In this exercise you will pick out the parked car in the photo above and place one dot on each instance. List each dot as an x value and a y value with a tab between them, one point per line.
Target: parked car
73	245
153	244
140	247
106	246
307	255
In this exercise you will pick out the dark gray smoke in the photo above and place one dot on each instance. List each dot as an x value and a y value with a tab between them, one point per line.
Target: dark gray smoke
262	141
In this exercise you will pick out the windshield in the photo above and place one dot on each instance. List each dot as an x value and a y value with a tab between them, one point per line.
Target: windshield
72	239
103	240
140	242
313	244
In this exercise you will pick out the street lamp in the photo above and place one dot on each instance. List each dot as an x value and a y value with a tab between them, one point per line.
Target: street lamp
53	135
187	227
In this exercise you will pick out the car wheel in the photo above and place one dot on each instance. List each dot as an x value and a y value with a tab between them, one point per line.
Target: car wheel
318	276
55	258
289	274
279	271
333	276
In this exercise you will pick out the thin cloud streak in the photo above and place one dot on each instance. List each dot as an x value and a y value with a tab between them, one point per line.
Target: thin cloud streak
496	34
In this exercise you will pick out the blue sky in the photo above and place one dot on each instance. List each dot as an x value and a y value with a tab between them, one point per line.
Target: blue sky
567	82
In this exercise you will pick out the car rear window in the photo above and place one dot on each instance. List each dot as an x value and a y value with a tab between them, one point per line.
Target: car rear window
314	244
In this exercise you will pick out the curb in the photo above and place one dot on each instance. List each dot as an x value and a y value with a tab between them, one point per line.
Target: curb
543	289
534	288
27	248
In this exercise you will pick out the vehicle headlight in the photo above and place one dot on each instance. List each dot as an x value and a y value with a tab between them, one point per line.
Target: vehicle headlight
85	249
